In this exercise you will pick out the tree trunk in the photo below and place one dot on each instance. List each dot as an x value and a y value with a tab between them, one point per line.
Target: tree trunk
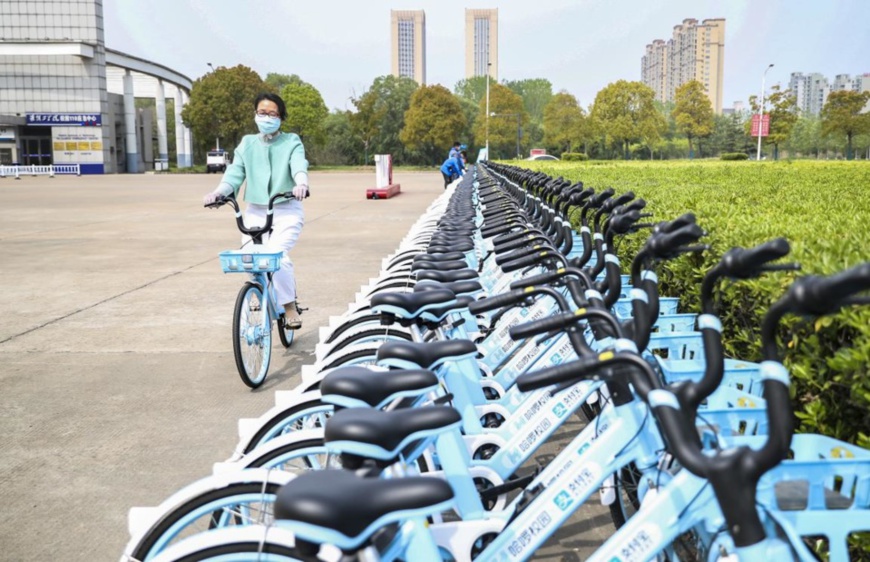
691	151
626	155
849	155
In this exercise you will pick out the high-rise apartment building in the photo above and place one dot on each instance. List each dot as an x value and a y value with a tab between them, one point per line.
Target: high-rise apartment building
654	66
696	51
810	91
481	43
408	35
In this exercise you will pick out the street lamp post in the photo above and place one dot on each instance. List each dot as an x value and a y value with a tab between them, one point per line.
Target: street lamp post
488	65
761	112
217	139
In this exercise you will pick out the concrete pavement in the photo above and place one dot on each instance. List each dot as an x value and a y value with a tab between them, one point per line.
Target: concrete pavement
117	381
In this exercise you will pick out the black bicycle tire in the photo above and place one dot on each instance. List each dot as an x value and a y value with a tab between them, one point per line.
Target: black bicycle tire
282	333
358	354
384	331
253	442
372	317
266	547
284	449
237	347
144	547
618	507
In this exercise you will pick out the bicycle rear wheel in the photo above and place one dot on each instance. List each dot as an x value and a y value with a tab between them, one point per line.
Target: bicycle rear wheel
235	504
252	345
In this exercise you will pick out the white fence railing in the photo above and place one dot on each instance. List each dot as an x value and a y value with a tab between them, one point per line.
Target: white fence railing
50	171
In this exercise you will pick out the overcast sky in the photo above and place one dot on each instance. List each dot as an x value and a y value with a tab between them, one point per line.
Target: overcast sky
579	45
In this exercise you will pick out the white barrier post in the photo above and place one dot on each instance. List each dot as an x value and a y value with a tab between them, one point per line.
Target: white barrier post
17	176
51	171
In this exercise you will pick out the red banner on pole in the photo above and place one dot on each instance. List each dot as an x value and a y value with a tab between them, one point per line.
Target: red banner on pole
765	125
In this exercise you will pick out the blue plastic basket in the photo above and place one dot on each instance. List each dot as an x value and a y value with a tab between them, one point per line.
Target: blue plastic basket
675	323
250	261
680	356
667	305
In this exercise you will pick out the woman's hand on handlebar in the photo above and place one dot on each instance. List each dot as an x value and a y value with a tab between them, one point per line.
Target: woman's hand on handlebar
212	198
300	192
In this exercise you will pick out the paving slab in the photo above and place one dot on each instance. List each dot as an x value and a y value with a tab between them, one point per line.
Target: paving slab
117	380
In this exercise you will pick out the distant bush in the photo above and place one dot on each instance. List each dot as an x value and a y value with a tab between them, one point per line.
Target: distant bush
574	156
734	156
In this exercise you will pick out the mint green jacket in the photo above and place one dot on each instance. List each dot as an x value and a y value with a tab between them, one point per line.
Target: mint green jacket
268	167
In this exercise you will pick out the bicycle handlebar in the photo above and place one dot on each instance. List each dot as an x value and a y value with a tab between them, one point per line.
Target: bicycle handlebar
253	232
744	263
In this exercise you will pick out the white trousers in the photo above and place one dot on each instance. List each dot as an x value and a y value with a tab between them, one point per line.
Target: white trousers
287	222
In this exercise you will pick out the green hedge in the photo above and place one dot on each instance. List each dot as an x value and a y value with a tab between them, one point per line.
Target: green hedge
734	156
822	208
574	156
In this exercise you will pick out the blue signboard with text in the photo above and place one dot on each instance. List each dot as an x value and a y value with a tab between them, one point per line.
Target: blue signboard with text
65	119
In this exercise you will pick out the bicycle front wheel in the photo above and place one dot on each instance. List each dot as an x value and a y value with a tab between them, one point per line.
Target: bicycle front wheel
252	342
285	334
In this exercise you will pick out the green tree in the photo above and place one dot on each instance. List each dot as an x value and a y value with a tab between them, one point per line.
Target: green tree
222	105
469	110
625	112
503	130
563	118
472	89
783	115
536	94
278	81
842	115
381	112
433	121
806	137
729	134
306	112
693	112
341	146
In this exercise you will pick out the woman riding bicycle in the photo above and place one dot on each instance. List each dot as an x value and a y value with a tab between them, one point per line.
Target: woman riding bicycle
271	162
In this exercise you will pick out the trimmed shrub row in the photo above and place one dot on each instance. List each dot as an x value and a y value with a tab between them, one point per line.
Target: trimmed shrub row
734	156
823	209
574	156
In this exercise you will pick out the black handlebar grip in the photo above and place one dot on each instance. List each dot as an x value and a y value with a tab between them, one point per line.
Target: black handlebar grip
739	262
664	243
539	279
636	205
822	295
548	376
598	200
622	222
621	200
542	326
578	198
525	261
497	301
677	223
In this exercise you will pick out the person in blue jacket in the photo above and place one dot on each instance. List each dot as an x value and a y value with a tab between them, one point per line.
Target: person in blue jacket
451	169
454	151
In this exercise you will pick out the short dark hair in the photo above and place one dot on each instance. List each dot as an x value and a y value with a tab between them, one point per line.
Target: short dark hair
464	153
457	143
274	98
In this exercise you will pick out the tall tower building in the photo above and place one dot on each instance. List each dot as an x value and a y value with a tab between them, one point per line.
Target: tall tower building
408	35
696	51
481	43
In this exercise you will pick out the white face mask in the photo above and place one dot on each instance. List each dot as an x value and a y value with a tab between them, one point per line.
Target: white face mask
267	124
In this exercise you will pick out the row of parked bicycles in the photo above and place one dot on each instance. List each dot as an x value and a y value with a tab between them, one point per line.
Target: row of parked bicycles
493	326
